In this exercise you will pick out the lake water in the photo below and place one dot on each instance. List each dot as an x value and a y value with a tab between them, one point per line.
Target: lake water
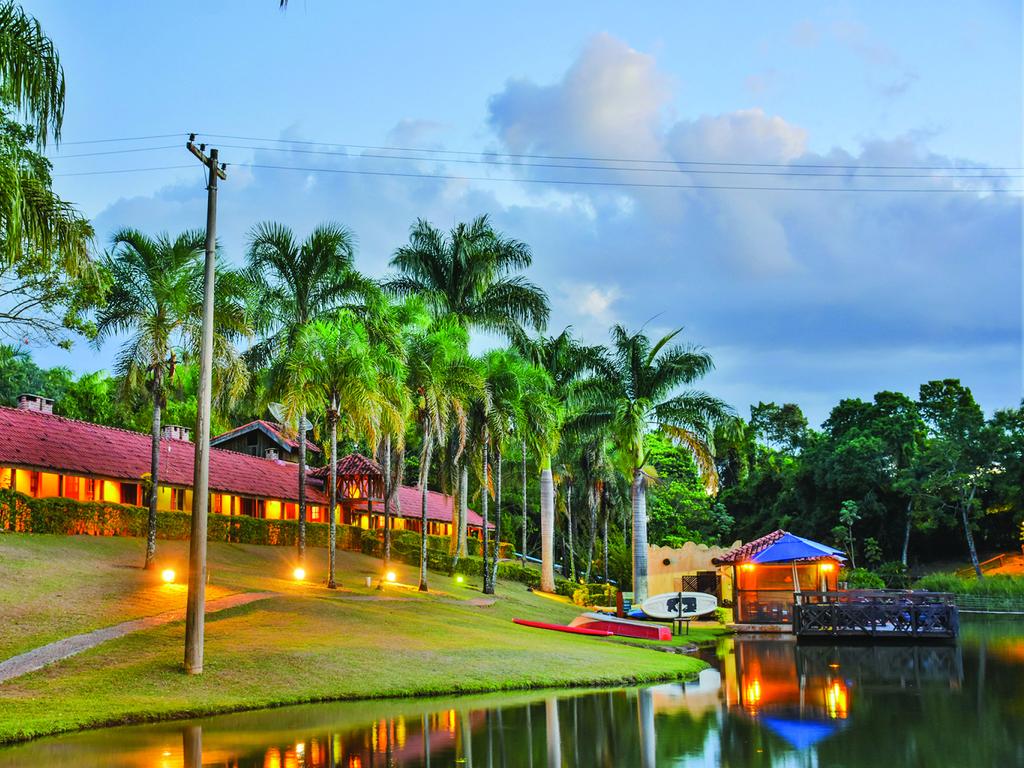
765	702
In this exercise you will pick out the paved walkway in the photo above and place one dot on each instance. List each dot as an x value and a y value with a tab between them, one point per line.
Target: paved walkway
30	661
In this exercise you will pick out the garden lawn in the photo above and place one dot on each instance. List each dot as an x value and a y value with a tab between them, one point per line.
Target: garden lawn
308	644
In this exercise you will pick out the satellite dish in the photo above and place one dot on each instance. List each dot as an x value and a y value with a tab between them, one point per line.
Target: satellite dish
280	414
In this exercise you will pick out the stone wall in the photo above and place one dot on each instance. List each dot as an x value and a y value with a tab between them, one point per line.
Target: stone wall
664	576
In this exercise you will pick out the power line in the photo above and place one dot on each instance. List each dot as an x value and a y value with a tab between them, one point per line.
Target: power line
717	171
114	152
592	182
586	158
125	170
182	134
575	182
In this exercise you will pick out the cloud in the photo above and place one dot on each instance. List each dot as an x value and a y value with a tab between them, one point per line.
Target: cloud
806	296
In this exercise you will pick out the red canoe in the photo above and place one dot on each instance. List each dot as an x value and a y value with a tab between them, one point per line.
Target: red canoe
563	628
622	627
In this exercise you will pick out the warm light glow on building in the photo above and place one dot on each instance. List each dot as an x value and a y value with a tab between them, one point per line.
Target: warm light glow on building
826	567
167	575
390	576
299	574
747	566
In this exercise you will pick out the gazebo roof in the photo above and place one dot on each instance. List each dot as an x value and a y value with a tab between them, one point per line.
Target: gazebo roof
779	547
353	465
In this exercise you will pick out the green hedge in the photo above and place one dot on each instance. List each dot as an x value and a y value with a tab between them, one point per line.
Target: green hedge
999	585
594	594
25	514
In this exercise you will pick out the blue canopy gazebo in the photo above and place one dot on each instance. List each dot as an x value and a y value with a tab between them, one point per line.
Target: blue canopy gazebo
769	572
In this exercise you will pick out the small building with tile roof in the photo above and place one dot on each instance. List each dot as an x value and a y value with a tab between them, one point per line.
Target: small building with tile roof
262	438
768	573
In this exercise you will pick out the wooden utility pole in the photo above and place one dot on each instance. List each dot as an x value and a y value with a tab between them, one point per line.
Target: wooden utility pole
195	612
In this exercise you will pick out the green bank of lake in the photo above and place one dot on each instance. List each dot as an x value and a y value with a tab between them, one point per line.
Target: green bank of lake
764	702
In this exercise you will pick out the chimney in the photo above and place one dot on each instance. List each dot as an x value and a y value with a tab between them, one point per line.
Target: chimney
175	432
38	403
271	454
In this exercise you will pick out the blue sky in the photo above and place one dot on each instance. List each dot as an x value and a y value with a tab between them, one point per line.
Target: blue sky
800	296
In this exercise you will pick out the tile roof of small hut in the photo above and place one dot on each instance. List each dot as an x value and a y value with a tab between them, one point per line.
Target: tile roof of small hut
353	465
748	550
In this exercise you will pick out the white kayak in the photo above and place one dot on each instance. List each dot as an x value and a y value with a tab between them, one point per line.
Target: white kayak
676	605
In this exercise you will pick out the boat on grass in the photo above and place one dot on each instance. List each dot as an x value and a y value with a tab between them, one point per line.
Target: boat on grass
563	628
644	630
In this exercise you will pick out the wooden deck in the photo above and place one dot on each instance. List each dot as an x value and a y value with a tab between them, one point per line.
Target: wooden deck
876	615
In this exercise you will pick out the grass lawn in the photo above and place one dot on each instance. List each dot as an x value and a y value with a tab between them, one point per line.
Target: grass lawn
309	644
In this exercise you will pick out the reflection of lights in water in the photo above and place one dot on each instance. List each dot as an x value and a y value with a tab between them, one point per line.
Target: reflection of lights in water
272	758
837	700
752	694
451	721
354	761
400	732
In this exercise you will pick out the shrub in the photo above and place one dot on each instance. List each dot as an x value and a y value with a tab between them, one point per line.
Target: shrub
991	586
594	594
894	574
862	578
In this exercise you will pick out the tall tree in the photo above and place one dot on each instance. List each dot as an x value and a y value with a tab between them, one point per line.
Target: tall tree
958	457
295	283
441	378
47	279
566	362
333	367
639	394
156	299
469	277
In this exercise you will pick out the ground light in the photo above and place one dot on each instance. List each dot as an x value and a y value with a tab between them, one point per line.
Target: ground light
459	579
167	575
299	574
390	576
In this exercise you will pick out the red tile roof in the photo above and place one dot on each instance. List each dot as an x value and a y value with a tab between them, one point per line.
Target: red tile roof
273	431
749	549
43	441
439	506
355	464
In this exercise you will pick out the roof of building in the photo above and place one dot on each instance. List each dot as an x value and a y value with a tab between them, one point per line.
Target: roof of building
439	506
44	441
353	465
270	429
795	549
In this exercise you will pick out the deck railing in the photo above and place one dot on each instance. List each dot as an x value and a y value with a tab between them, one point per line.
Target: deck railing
876	614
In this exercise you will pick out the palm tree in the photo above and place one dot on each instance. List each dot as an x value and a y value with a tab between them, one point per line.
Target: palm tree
441	378
566	361
468	277
156	296
296	283
39	232
494	417
334	367
638	393
537	426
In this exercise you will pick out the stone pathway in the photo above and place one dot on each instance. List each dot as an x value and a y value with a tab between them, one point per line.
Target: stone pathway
30	661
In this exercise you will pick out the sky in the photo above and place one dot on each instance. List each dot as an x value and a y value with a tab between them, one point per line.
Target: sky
840	290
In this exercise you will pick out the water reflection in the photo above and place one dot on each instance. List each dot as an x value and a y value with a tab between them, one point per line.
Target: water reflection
766	702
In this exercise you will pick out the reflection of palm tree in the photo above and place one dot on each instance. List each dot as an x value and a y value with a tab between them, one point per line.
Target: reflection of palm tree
645	718
554	734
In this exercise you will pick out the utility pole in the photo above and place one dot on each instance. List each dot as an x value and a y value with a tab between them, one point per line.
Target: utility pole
195	611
